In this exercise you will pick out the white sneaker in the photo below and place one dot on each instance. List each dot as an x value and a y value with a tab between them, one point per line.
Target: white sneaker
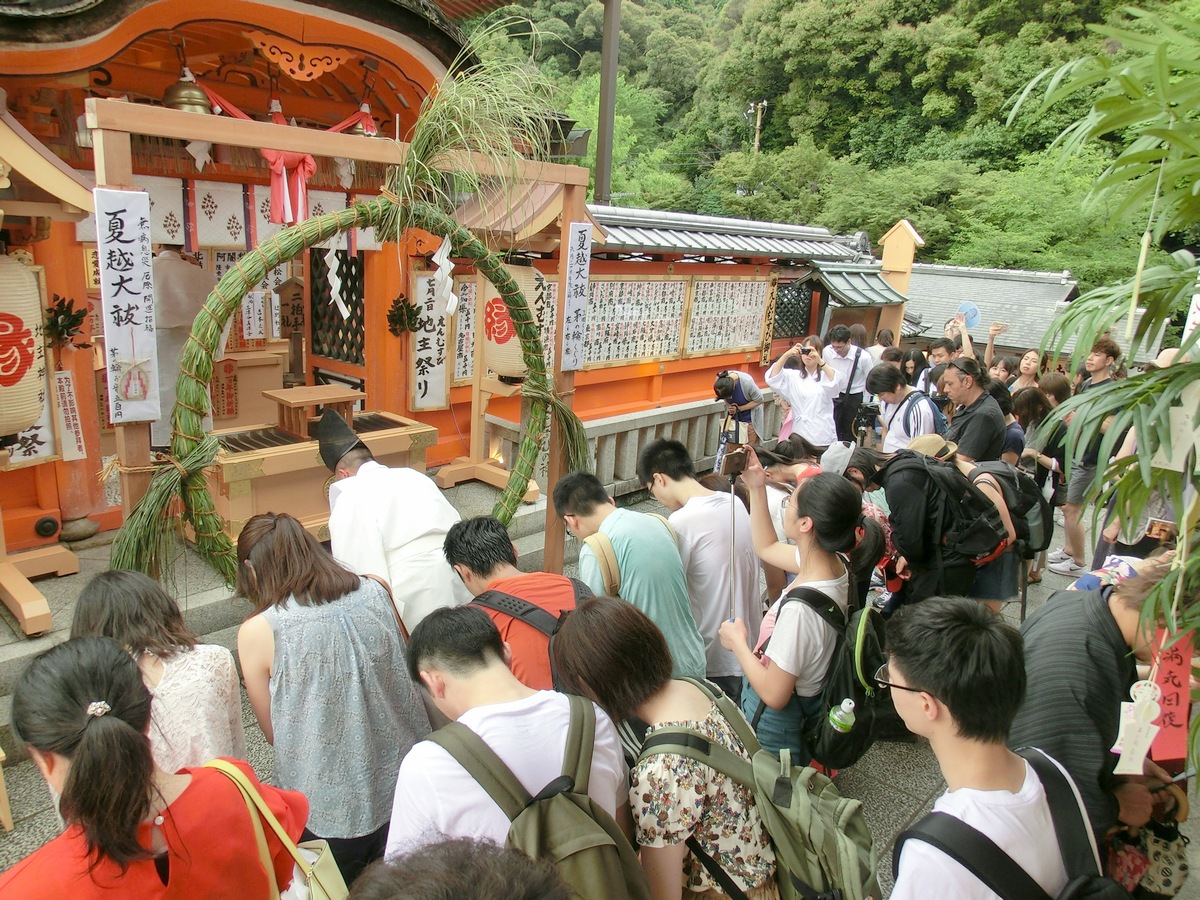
1057	555
1068	566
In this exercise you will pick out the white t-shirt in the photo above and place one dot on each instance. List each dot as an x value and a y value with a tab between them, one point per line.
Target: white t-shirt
811	400
844	365
912	411
702	528
436	797
1019	824
802	643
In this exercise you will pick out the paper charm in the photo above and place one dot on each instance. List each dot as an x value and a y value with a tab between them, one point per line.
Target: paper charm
335	284
1184	435
445	300
345	171
1137	729
201	152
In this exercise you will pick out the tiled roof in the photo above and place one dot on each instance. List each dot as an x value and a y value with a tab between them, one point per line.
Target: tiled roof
655	231
1028	301
857	284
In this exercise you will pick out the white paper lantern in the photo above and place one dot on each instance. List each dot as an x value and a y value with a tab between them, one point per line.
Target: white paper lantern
501	346
22	348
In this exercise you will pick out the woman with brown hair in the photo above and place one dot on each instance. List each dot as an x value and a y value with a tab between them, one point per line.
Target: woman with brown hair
323	659
809	390
197	711
610	651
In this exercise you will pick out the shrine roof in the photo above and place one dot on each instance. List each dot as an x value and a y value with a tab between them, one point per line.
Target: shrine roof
857	283
1029	301
656	231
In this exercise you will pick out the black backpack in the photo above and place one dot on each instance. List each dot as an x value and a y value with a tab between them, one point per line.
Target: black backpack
979	855
1031	514
532	615
966	524
857	656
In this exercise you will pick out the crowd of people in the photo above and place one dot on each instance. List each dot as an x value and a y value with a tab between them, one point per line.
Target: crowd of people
353	660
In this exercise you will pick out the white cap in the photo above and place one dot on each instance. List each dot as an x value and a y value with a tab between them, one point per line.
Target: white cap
836	457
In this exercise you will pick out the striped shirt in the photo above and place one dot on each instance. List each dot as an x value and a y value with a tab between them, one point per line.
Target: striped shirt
1079	670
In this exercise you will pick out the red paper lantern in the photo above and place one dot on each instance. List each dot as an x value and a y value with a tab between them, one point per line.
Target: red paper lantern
22	348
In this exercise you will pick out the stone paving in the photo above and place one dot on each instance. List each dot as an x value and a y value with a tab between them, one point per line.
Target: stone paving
897	782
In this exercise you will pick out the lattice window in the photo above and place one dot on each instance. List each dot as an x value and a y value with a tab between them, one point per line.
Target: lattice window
793	309
333	336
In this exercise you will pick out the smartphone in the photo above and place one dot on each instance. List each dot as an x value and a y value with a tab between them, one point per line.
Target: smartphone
733	464
1160	529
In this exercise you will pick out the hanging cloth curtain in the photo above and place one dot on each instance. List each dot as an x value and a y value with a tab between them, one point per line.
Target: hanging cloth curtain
290	170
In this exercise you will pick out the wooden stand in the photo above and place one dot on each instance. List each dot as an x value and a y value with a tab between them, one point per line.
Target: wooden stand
479	466
6	818
24	601
297	405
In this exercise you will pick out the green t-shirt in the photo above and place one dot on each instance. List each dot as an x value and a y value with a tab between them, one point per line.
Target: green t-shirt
653	580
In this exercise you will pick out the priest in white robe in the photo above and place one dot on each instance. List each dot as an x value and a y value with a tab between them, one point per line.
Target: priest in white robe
389	522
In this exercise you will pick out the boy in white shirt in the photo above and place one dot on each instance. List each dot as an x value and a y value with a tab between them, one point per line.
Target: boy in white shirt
459	657
712	531
957	674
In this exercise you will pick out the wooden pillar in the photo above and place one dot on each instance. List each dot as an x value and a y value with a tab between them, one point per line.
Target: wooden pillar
114	168
564	382
79	493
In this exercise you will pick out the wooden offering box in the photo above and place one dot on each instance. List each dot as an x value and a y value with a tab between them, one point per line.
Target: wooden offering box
273	469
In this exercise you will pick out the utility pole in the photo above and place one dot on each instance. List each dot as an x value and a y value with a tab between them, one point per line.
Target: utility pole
759	107
610	44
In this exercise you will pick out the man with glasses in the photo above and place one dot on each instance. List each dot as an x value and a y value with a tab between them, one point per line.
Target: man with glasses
957	674
978	425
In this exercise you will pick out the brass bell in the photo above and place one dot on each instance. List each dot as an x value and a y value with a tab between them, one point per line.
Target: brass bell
187	96
357	128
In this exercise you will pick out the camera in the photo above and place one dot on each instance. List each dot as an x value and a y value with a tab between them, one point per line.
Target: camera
804	351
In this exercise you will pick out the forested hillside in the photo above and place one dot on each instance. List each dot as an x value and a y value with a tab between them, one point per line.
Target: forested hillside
875	110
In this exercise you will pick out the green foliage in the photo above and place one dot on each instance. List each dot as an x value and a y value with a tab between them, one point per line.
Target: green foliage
403	316
1031	217
64	323
1146	102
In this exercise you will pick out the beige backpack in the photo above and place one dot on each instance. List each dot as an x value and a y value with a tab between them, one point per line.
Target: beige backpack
606	557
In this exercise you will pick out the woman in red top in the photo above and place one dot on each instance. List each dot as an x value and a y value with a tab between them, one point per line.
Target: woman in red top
132	830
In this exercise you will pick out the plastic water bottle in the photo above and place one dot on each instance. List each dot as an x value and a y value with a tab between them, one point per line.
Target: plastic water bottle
842	717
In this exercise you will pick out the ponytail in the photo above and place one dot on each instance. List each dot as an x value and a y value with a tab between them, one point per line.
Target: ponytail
835	506
84	700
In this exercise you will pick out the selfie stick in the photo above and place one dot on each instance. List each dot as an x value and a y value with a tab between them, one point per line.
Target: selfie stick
732	538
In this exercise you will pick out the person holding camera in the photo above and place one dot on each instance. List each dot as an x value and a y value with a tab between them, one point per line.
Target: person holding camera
809	384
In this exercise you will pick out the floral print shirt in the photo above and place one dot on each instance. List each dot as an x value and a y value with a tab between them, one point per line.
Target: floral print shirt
674	797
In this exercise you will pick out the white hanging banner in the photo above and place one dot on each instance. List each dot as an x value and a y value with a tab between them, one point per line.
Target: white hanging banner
276	317
127	294
254	315
70	429
574	326
431	385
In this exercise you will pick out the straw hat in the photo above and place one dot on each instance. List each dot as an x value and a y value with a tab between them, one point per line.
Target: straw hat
933	445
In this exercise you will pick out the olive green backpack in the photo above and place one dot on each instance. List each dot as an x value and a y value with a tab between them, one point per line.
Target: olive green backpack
562	824
823	847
